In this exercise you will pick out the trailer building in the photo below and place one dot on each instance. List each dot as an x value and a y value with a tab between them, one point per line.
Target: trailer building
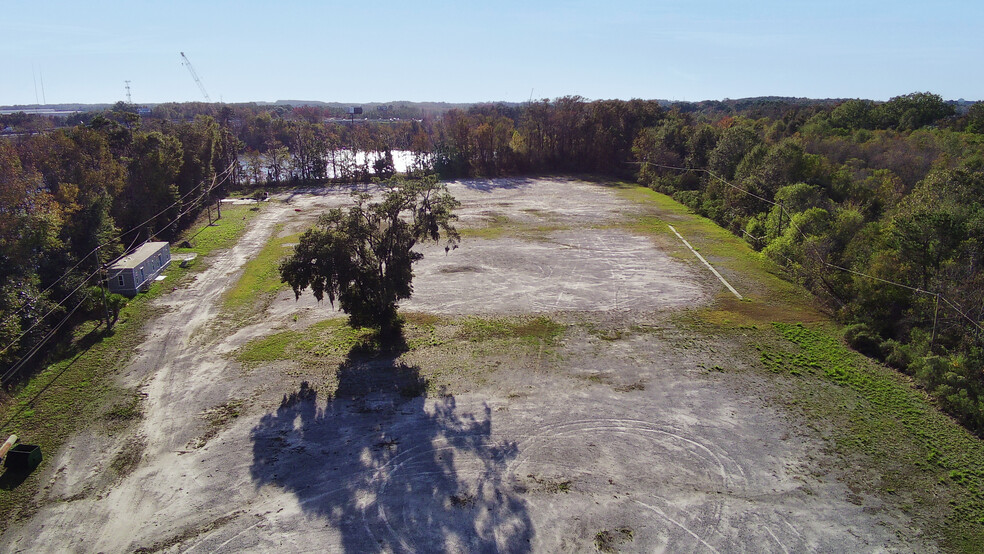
137	270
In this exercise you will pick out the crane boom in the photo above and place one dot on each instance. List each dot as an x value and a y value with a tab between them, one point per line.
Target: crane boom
201	87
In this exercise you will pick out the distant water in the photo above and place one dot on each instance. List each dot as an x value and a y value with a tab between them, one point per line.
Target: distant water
403	161
39	111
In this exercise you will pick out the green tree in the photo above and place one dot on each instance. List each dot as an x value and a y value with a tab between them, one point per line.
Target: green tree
731	148
363	257
912	111
975	118
853	114
151	185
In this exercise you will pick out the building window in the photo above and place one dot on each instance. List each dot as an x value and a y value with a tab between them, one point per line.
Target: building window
119	279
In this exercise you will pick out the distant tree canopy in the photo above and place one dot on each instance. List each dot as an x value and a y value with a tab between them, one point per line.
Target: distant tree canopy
363	257
73	198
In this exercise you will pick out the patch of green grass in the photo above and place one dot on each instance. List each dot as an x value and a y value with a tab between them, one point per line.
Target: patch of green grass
876	413
538	329
260	279
446	351
499	226
222	233
768	295
332	339
325	341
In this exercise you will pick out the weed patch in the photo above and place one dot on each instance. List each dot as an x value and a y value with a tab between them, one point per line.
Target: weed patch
216	419
127	410
609	541
127	459
539	329
549	486
499	226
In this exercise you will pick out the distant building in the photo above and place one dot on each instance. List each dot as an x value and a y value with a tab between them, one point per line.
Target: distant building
135	272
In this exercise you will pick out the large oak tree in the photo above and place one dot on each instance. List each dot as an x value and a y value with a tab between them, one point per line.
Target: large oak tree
363	257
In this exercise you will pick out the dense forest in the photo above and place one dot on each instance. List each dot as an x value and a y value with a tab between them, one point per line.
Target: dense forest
876	207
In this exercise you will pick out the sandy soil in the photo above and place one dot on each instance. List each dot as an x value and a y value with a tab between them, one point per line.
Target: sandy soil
624	443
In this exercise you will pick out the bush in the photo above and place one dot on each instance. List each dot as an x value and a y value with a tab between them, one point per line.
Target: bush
689	198
861	338
896	354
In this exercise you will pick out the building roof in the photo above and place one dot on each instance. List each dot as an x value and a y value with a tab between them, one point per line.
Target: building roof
138	256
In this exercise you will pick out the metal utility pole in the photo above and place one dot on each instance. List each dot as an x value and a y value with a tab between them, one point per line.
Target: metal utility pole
129	100
201	87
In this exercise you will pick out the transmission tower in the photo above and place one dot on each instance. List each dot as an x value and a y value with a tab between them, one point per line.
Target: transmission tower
129	100
201	87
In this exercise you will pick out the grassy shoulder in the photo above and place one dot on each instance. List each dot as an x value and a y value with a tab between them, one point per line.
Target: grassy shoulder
768	295
902	445
450	353
76	388
260	279
892	441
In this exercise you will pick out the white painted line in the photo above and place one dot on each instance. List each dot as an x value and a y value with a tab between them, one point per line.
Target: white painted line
701	258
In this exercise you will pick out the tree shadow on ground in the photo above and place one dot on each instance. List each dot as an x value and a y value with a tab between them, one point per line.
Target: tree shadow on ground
389	468
499	183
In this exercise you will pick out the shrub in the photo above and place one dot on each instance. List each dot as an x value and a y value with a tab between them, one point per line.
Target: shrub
861	338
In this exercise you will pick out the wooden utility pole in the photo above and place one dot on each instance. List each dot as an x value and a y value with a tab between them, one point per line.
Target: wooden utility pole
781	210
103	275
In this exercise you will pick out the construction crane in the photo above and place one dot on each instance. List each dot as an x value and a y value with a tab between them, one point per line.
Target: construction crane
201	87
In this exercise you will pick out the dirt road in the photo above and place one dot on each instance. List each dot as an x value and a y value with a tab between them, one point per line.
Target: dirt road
621	442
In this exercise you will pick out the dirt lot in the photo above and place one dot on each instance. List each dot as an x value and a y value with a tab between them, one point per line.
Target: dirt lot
617	435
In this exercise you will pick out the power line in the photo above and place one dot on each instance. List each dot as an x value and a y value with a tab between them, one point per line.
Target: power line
17	366
137	227
820	258
45	316
86	279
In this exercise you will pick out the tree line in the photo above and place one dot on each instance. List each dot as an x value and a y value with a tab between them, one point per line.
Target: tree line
875	208
847	196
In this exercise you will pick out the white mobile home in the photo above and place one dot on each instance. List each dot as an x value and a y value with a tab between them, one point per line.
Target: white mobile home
136	271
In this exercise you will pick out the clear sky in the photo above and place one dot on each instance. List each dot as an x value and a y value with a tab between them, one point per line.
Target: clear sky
458	51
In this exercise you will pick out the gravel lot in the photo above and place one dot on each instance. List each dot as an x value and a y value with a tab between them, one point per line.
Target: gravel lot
625	442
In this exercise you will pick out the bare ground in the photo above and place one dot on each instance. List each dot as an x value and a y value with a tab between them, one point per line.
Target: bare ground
619	437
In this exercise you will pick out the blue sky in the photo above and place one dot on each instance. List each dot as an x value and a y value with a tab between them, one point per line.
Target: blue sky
456	51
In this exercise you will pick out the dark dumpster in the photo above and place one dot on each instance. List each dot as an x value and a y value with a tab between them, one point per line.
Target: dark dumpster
23	457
